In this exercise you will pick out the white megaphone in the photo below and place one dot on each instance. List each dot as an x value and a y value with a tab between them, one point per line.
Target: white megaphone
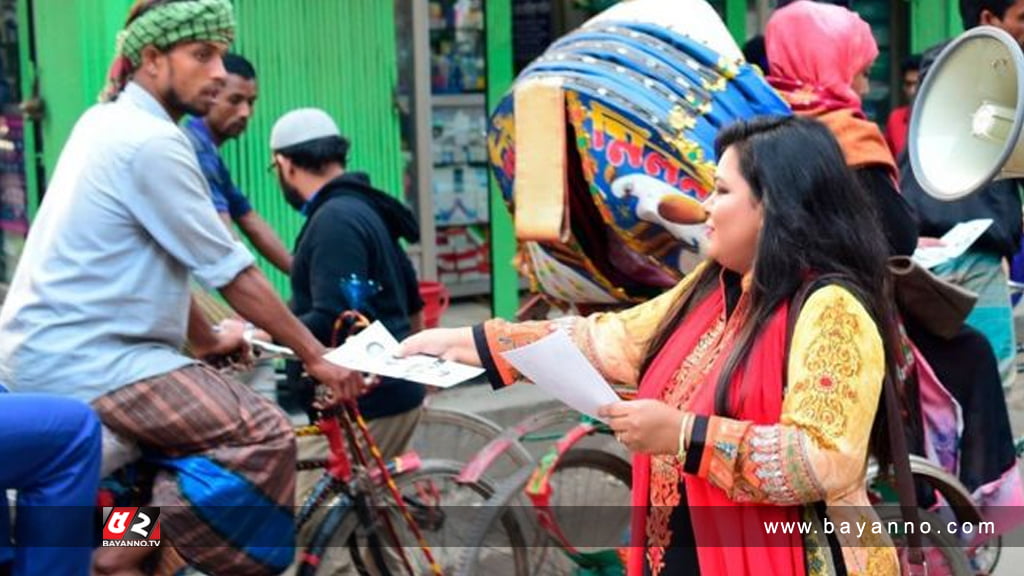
965	127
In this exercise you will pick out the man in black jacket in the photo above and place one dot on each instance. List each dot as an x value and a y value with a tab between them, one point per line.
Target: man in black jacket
981	268
349	243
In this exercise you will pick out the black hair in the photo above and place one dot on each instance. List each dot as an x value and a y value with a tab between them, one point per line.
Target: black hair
315	155
912	62
237	64
970	10
817	220
754	52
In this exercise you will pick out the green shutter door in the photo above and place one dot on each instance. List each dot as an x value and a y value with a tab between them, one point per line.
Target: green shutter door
339	56
74	42
932	21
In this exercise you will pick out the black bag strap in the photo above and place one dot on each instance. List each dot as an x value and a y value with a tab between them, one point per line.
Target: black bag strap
905	489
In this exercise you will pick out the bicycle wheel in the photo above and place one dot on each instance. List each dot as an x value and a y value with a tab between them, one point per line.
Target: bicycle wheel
442	509
943	552
985	557
505	500
327	551
455	435
584	476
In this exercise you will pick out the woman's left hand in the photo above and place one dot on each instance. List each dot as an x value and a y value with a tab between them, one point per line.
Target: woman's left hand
647	426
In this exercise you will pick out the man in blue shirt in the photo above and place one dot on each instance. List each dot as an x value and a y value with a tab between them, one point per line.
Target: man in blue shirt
227	119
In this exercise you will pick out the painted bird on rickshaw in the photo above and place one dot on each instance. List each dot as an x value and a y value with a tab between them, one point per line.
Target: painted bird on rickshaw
604	149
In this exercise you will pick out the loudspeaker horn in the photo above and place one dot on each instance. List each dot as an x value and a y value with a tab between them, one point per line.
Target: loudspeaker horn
965	126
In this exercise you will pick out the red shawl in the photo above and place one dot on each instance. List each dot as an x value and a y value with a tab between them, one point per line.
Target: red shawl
716	519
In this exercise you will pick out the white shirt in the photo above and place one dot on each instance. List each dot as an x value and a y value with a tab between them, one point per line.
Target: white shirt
100	297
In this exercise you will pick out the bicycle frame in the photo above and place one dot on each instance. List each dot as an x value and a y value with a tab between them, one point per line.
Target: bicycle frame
489	454
337	427
340	479
514	435
539	491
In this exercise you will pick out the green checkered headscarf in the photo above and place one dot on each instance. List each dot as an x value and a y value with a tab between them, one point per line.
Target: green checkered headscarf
163	26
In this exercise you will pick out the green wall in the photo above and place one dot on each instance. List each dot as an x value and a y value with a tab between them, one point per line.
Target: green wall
504	277
337	55
74	43
932	21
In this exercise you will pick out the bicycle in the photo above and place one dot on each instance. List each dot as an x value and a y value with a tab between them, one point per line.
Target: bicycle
391	506
403	513
453	434
568	479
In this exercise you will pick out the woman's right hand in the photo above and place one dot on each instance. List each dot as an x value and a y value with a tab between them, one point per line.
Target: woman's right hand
454	344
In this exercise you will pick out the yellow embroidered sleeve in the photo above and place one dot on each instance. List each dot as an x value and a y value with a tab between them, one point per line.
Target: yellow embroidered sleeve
614	342
819	448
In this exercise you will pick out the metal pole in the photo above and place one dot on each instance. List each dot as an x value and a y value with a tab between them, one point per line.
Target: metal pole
422	112
500	73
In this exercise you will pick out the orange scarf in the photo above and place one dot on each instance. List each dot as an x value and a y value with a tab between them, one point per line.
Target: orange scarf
861	140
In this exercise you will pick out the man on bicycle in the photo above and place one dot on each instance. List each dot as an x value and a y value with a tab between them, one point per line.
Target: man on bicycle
99	306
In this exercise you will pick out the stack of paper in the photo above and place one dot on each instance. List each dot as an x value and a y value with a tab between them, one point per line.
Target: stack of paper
954	243
373	351
555	364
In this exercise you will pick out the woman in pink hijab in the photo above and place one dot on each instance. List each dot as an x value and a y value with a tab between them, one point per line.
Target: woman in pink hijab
819	56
